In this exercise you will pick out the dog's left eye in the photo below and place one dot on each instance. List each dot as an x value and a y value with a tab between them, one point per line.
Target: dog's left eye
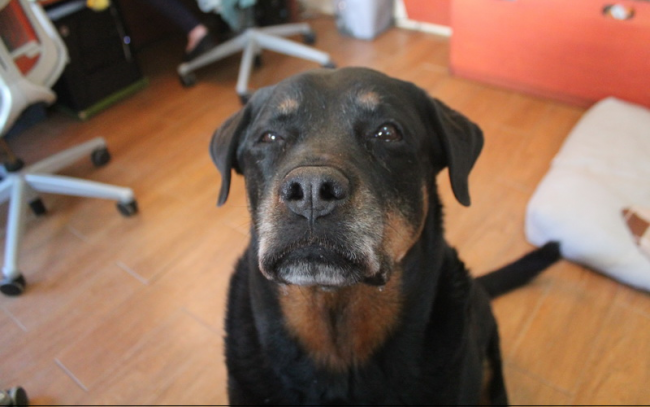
270	137
388	133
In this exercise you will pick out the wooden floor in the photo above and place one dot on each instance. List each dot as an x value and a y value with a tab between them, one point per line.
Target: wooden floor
129	311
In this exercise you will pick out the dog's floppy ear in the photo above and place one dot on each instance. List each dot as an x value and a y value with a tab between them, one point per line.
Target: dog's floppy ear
223	148
462	142
226	140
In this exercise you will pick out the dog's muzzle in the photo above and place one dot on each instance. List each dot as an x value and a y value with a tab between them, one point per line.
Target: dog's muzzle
312	235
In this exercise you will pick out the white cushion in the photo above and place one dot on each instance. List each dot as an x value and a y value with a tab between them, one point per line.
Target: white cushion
602	168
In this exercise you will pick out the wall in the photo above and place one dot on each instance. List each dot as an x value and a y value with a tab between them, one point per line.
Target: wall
321	6
422	15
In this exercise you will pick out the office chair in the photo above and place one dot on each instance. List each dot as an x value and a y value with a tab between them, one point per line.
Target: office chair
20	184
252	41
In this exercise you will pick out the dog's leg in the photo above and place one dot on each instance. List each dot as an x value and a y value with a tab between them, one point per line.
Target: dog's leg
494	387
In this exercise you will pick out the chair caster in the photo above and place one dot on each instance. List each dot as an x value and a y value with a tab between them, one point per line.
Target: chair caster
244	98
100	157
14	166
258	61
38	207
309	38
13	287
187	80
127	209
16	396
329	65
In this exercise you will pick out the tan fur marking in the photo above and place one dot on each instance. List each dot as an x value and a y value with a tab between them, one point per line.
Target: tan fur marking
399	234
341	329
288	105
369	99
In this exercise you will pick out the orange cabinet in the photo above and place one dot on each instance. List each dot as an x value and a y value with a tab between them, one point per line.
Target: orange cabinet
578	51
429	11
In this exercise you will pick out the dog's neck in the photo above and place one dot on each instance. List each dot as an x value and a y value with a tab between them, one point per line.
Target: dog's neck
342	328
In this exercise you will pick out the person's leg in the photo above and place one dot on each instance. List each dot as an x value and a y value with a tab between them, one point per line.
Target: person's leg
195	36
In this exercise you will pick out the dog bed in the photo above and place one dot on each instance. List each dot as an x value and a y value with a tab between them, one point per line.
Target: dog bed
595	199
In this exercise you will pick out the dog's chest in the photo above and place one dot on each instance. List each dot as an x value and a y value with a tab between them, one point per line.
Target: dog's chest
343	328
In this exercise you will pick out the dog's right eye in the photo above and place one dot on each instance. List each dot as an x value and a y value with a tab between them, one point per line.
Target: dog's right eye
387	133
270	137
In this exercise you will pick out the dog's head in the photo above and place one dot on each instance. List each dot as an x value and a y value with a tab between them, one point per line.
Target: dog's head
339	167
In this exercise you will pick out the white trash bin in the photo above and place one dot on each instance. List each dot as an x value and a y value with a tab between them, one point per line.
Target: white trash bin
364	19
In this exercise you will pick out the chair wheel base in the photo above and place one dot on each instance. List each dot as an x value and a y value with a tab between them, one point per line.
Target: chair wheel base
187	80
127	209
244	98
14	166
258	61
309	38
38	207
100	157
13	287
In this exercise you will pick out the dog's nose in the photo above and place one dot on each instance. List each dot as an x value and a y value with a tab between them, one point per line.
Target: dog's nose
313	192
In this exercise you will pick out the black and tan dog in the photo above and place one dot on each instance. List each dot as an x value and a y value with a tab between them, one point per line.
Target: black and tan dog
348	292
